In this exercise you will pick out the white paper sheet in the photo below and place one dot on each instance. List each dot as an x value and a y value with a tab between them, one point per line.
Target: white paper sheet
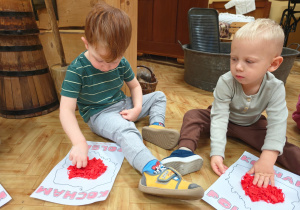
58	188
4	196
227	192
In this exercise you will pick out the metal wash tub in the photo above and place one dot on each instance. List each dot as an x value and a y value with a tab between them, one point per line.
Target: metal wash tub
202	69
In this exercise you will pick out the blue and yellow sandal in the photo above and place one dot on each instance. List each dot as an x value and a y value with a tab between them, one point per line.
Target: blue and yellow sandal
167	182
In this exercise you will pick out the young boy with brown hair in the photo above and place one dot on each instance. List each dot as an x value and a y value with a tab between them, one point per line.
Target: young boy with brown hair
240	97
94	81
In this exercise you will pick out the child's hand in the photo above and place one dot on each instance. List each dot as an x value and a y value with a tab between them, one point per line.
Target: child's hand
263	173
130	114
217	165
79	155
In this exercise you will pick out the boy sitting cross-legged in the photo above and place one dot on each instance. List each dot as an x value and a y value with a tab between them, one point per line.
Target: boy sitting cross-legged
240	97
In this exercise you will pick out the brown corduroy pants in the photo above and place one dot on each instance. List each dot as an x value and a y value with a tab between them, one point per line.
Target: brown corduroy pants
197	121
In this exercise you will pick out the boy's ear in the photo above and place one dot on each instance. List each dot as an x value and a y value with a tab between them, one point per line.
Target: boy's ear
86	44
275	63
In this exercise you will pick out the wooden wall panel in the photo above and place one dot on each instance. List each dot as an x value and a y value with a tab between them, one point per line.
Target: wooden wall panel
145	20
164	21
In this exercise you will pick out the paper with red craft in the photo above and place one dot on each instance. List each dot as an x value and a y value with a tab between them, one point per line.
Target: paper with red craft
228	193
68	185
4	196
94	169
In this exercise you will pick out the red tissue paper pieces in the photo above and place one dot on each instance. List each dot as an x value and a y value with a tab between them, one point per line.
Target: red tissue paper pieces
94	169
270	194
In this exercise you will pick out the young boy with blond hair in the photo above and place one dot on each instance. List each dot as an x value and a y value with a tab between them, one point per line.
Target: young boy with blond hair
240	97
94	81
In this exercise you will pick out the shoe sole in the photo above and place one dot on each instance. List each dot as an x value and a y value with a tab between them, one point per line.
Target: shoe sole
184	165
189	194
164	138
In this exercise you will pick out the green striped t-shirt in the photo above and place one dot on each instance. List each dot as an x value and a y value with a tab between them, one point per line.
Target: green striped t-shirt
95	90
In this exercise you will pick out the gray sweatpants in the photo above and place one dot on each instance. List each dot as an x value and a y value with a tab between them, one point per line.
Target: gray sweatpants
111	125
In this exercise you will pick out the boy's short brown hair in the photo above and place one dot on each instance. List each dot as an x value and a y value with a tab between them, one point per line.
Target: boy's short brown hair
109	27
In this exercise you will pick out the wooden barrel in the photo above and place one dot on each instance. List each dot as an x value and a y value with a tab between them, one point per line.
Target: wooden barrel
26	86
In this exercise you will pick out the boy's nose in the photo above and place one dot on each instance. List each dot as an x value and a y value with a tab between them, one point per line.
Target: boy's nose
239	66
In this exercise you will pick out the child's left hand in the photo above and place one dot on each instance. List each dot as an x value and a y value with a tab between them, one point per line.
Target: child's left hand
263	170
130	114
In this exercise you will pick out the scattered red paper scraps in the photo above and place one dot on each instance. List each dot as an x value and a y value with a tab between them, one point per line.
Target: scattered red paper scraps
270	194
93	170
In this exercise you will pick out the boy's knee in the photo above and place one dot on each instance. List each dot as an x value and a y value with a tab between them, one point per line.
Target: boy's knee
190	113
160	95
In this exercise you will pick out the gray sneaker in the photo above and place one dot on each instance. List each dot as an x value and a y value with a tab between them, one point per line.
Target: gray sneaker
183	161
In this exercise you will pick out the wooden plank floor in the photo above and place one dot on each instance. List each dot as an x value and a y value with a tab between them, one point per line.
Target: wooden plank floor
31	147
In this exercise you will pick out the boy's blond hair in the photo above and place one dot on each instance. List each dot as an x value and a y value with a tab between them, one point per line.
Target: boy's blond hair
109	27
265	29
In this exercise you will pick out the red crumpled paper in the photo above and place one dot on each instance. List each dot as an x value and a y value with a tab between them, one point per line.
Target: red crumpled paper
270	194
94	169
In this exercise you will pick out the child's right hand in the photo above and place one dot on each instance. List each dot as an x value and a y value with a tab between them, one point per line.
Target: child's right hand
131	114
217	165
79	155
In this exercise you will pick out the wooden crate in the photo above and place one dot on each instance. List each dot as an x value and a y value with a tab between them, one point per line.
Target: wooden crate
72	13
71	40
233	28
